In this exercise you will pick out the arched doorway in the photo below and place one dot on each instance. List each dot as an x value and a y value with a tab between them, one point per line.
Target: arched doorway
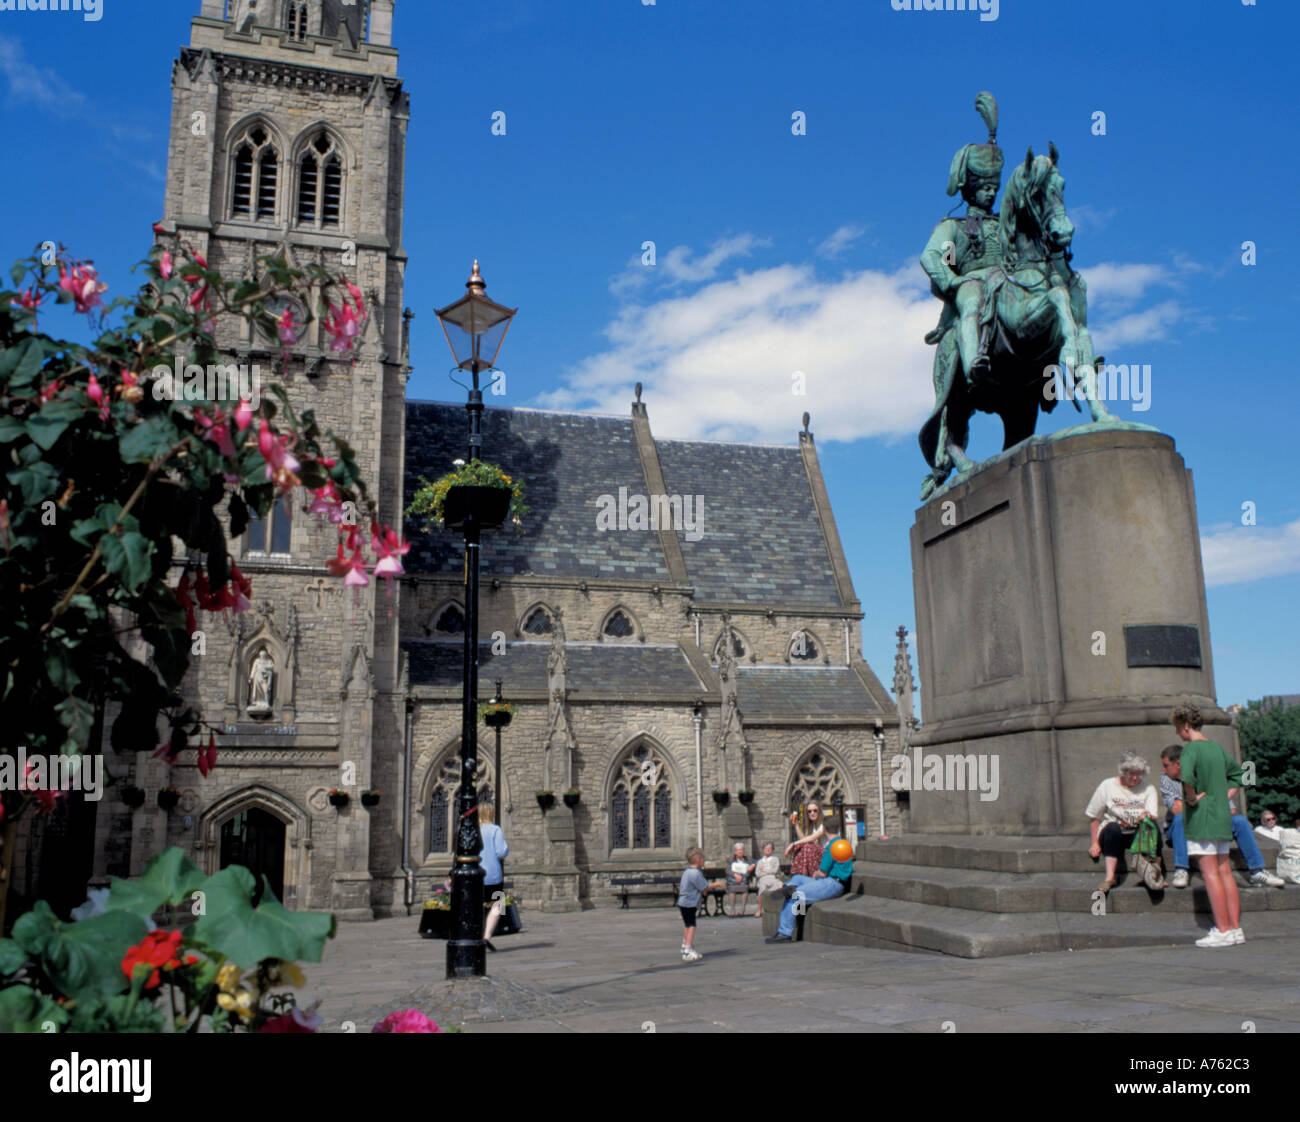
254	838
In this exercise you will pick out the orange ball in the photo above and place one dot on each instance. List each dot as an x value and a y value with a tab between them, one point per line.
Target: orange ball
841	850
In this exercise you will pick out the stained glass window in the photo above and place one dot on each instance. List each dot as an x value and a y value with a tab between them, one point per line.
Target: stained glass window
442	803
539	623
452	620
618	626
642	787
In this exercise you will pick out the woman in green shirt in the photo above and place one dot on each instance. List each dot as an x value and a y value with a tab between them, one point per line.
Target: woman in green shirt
1207	773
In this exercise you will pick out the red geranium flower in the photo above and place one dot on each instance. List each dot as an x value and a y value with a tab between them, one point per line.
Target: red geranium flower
159	949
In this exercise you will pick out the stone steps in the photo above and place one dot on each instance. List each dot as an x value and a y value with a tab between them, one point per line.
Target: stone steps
1010	893
981	897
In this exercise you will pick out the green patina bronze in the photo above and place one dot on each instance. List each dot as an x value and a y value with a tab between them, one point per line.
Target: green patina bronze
1014	310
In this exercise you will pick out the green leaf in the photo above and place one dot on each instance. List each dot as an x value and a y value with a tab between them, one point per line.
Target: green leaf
37	482
247	935
22	1009
169	878
80	957
11	957
49	424
33	929
77	715
31	357
151	437
11	428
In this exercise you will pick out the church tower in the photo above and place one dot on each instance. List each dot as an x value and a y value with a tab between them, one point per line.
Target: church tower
288	138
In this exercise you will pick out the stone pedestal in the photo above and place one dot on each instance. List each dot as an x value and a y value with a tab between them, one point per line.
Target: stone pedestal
560	876
1060	613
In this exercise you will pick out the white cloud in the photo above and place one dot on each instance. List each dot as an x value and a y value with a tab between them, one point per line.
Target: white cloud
839	241
1137	327
31	83
720	361
1233	554
1112	283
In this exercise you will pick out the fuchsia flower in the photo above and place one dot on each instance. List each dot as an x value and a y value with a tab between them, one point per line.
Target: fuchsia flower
390	550
406	1020
83	284
280	463
45	798
208	755
4	524
352	569
327	502
345	322
29	301
288	330
243	415
165	264
130	389
243	589
217	431
95	392
50	392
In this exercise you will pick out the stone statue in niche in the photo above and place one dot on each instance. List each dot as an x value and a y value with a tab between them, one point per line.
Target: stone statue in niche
261	683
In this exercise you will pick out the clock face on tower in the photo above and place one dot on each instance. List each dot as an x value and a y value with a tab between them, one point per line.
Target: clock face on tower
290	320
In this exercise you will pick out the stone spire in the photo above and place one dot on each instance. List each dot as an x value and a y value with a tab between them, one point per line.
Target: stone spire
903	688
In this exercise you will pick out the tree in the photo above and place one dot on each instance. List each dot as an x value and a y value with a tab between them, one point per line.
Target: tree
1270	738
107	458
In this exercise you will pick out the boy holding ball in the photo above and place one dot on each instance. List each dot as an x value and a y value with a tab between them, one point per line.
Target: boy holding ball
689	894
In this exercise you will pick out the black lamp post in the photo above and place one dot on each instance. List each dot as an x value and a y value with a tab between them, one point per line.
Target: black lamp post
475	328
497	721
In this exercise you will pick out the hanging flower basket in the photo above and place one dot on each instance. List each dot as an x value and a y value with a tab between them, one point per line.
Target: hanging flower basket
476	490
745	795
133	797
546	799
496	714
572	797
168	797
338	798
370	798
721	796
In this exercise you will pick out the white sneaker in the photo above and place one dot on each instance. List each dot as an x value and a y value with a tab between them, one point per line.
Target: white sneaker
1180	878
1266	878
691	956
1217	938
1238	936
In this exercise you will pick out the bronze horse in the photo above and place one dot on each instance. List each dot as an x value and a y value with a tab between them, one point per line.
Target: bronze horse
1041	323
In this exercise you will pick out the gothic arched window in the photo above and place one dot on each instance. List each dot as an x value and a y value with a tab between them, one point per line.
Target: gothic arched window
254	175
320	183
451	620
819	779
296	20
538	623
641	787
442	800
618	625
803	648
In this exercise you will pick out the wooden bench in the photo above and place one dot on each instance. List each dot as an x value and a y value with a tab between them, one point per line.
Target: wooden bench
661	883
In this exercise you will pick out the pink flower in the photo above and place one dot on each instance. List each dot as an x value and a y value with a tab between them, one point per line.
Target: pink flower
327	502
159	230
83	284
95	392
243	589
165	264
243	415
390	550
346	322
187	602
288	329
217	431
45	798
406	1020
208	756
281	466
4	524
50	392
29	301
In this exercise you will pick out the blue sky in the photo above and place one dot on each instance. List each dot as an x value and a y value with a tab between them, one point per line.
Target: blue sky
670	122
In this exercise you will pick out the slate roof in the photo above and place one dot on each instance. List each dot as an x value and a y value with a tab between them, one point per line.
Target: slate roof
801	691
615	668
762	540
567	461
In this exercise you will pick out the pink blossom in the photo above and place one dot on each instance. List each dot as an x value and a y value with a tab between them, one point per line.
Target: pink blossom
4	524
406	1020
217	431
281	465
243	590
165	264
95	392
288	330
45	798
345	323
83	284
243	415
29	301
208	755
390	550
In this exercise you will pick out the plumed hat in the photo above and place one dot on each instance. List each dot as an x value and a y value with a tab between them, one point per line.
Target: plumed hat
979	161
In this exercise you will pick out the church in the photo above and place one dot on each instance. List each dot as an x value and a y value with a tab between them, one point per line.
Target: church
676	681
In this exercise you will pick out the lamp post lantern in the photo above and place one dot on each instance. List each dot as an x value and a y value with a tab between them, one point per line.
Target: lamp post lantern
475	328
